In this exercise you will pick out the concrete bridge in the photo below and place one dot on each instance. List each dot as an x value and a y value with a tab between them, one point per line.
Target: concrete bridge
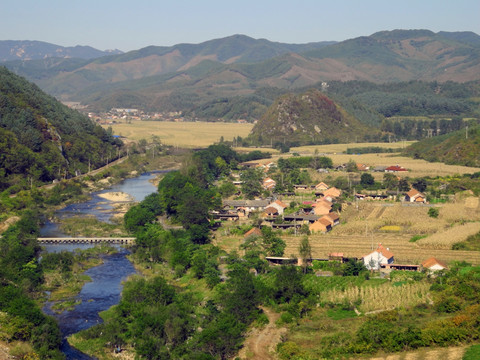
84	240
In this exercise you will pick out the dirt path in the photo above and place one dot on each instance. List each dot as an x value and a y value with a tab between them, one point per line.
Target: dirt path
261	343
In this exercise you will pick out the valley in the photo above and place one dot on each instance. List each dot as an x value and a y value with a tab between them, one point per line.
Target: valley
323	199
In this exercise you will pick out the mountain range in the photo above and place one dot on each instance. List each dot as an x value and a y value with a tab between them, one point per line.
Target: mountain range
11	50
195	77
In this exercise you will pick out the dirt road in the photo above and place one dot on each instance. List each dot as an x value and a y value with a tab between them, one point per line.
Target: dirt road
260	343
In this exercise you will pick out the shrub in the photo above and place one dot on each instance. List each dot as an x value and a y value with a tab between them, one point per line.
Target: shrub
433	212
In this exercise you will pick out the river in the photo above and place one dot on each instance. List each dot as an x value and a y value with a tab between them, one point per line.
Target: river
105	288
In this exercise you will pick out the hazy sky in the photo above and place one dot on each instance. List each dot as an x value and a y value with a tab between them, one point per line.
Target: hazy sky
129	25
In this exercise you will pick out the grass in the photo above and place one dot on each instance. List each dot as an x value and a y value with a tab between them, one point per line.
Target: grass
472	353
182	134
339	314
91	227
415	238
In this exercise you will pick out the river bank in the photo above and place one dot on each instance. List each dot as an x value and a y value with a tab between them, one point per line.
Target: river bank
91	288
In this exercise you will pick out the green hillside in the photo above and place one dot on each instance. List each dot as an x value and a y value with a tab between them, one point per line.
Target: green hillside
307	118
460	148
41	139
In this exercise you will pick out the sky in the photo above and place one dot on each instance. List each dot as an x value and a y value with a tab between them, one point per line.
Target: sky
130	25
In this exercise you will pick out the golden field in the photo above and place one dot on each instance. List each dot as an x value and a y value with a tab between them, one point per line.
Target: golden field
182	134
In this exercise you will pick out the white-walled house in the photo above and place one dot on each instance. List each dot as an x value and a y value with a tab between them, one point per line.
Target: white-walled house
375	259
433	265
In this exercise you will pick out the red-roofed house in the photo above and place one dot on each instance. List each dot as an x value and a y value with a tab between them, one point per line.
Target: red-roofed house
415	196
433	265
375	259
252	232
395	168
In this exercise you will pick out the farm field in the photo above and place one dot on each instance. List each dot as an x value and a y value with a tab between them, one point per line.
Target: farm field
363	229
182	134
415	167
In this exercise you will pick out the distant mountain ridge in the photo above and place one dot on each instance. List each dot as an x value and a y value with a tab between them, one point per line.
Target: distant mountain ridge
11	50
188	77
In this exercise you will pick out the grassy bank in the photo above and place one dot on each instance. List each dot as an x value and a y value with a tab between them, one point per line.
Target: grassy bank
64	274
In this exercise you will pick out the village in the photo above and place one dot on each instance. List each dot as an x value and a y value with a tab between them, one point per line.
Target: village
316	209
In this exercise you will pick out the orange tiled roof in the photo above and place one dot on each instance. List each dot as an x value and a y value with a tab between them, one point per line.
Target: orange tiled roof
432	261
253	231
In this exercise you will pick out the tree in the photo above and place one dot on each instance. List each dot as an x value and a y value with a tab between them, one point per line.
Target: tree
305	251
367	180
390	181
403	185
251	186
420	185
227	189
352	166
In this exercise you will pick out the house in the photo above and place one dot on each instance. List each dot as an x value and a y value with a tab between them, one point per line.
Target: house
322	209
433	265
332	192
270	212
252	232
269	183
395	168
415	196
321	187
380	168
333	217
246	206
320	226
302	187
280	206
362	167
375	259
301	218
336	257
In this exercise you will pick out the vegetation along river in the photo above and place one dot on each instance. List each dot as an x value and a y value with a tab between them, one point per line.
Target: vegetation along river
105	288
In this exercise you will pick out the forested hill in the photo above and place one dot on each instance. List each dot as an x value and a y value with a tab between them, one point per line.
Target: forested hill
307	118
460	147
42	139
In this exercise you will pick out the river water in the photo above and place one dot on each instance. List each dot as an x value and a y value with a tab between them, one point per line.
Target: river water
105	288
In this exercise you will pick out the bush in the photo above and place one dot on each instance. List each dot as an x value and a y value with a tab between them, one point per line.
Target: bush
433	212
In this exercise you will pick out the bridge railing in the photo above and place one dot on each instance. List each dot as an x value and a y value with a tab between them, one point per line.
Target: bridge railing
85	240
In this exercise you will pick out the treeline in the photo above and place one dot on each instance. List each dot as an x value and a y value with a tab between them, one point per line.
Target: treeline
412	98
370	150
21	278
42	139
459	148
413	129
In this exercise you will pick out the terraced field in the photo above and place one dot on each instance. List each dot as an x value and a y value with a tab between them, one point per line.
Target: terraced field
404	251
